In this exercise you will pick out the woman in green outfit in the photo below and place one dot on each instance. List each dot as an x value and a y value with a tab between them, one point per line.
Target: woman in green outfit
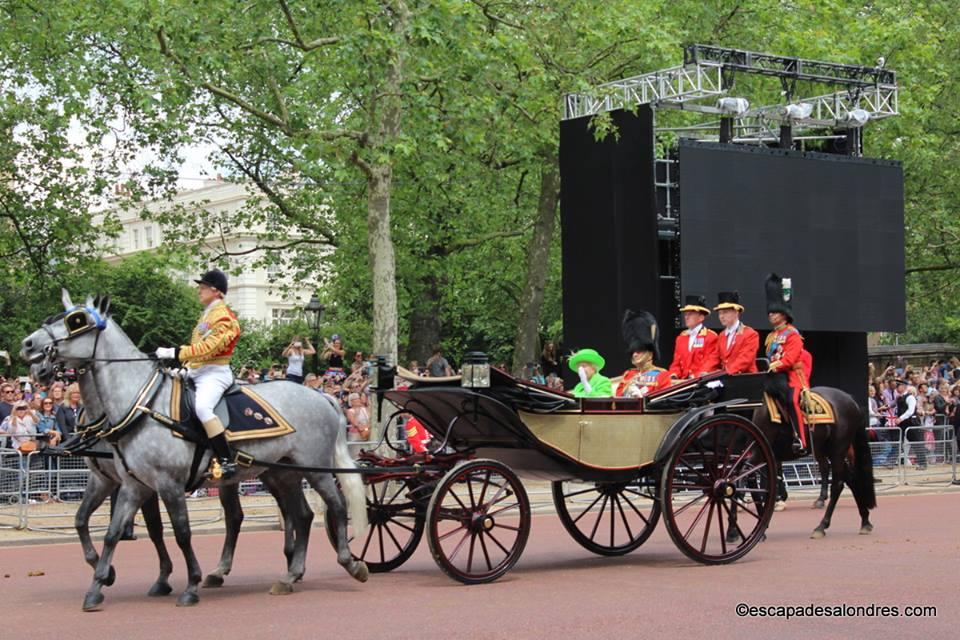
587	364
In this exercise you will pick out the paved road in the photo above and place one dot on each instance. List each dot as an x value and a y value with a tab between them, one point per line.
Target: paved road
557	590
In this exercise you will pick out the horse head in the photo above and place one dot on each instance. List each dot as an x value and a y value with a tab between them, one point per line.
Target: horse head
69	337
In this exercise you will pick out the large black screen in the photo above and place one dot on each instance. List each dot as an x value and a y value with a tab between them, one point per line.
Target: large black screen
834	224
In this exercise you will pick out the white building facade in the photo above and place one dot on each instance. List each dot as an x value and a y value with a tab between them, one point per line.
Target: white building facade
252	296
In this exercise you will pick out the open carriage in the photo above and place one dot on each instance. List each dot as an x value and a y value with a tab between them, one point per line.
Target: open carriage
687	454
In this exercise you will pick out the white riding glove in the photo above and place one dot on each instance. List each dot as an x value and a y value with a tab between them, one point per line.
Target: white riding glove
583	379
166	353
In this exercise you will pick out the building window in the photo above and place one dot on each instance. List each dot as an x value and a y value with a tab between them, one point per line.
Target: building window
283	316
136	239
273	271
148	236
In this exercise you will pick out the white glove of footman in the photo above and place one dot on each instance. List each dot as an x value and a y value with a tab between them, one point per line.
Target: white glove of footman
583	378
166	353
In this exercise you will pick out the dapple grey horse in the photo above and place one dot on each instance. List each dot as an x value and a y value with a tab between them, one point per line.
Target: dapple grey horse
285	486
154	460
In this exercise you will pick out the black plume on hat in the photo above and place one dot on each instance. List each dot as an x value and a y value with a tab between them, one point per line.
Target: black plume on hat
775	298
639	330
216	279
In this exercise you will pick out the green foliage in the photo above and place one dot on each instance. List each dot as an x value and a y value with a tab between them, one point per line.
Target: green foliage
153	308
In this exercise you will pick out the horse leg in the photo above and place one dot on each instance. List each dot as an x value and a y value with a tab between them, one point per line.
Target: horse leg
337	508
836	488
98	488
151	516
176	503
733	529
297	520
233	519
131	496
824	467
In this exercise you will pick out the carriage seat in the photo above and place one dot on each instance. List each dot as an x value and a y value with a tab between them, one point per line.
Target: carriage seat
244	414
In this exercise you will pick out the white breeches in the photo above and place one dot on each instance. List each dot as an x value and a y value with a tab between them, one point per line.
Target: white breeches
211	380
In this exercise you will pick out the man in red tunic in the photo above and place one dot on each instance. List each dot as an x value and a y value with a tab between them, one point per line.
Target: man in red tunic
784	349
640	333
695	351
738	344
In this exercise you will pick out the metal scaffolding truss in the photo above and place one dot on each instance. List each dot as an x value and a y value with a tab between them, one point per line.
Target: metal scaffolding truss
708	73
850	75
676	86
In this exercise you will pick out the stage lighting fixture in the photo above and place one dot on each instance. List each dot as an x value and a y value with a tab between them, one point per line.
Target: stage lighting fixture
797	111
857	117
733	106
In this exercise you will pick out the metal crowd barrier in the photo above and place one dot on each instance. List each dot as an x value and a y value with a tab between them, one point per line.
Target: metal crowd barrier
897	455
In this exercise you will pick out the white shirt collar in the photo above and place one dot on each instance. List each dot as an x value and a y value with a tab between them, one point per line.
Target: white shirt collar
732	329
696	330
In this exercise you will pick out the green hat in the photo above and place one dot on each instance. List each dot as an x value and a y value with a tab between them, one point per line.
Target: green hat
586	355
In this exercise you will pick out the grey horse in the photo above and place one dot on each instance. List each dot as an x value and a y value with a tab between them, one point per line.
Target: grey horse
285	486
153	460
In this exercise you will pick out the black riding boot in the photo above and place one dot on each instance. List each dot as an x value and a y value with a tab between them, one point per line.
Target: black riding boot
224	455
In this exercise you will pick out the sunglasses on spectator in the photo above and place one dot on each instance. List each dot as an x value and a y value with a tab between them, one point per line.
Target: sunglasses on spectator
21	409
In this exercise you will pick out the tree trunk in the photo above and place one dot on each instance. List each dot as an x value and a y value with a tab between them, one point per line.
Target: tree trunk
382	262
425	321
526	342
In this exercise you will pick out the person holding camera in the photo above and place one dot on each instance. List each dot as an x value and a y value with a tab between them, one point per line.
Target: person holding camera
295	353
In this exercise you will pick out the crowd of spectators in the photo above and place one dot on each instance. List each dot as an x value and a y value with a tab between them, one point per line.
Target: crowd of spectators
936	391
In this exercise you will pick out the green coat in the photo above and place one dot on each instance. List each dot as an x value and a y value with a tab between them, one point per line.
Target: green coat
600	387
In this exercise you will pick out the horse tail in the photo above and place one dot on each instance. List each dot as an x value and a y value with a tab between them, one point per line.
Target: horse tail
351	484
862	470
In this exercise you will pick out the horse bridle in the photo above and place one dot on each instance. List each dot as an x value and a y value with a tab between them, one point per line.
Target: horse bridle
76	322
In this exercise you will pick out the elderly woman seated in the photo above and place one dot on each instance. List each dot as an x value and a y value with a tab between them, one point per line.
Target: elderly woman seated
587	364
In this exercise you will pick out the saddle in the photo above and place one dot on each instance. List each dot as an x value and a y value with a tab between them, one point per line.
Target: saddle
816	409
244	414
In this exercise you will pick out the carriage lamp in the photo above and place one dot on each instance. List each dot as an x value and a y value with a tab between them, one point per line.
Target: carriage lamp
476	370
382	376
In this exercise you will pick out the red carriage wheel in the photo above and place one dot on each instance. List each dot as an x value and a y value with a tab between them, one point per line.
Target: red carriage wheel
478	521
396	526
711	468
608	518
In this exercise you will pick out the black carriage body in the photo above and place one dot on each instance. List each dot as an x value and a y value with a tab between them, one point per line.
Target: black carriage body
548	435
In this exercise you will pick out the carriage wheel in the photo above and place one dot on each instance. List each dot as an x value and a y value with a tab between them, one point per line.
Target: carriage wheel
478	521
608	518
707	474
395	527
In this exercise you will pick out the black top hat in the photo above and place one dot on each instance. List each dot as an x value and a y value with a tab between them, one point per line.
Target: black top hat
639	329
778	300
728	300
216	279
696	303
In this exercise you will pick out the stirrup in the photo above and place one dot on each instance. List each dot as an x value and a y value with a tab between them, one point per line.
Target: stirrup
798	448
222	468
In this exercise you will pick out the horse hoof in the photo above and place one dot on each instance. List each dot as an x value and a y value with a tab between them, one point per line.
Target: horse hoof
92	602
819	504
732	537
160	589
866	529
187	599
359	571
280	588
111	577
817	534
212	581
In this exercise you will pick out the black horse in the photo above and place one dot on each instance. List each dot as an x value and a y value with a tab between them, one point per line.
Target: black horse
840	446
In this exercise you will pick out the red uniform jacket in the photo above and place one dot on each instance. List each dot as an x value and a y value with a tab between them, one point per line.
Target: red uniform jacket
648	381
417	435
741	357
784	348
704	357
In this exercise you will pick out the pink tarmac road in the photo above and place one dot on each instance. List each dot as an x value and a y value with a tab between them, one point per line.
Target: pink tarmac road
557	590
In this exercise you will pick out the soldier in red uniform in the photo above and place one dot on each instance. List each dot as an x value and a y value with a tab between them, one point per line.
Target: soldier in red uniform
738	344
695	352
784	349
640	333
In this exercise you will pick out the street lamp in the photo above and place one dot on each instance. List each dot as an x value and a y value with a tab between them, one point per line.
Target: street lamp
314	314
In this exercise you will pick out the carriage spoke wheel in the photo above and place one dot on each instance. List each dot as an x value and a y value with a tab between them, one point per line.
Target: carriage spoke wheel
608	518
704	482
395	527
478	521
